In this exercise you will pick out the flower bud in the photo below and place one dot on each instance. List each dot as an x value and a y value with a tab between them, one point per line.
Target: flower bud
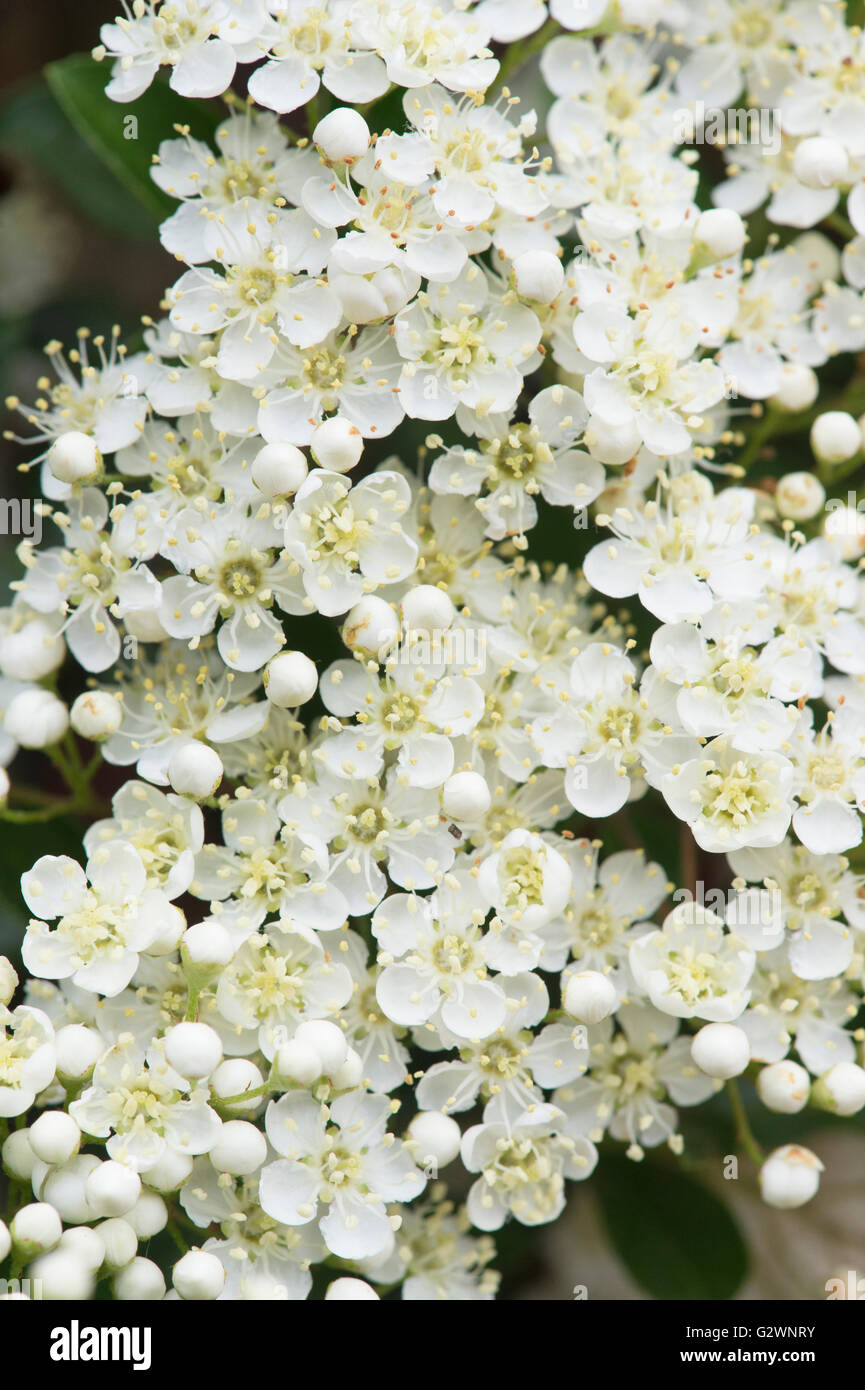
820	163
140	1282
278	470
18	1157
348	1290
790	1177
342	135
290	680
78	1050
799	388
368	298
538	276
65	1188
112	1189
799	496
784	1087
149	1216
74	458
169	1172
326	1040
145	625
589	996
5	785
336	444
435	1138
195	769
193	1049
8	979
845	528
35	1229
349	1074
120	1240
466	797
198	1276
205	949
371	626
721	231
85	1244
835	436
234	1077
31	653
427	609
841	1089
96	714
296	1062
721	1050
5	1241
54	1136
36	719
63	1277
240	1149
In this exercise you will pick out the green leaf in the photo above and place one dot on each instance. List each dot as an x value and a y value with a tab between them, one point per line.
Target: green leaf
126	137
677	1238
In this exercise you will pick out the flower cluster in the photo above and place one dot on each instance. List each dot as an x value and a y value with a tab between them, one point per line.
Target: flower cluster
368	906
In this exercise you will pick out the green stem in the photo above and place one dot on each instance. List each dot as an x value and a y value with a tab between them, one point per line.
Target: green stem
744	1133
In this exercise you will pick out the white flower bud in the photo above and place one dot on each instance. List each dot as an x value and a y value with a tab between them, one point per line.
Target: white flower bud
799	496
835	436
8	979
36	719
206	948
5	785
54	1136
279	469
140	1282
845	528
371	626
466	797
149	1216
5	1241
784	1087
427	609
290	680
66	1189
589	996
342	135
113	1189
171	927
326	1040
232	1078
198	1276
31	653
170	1172
36	1228
790	1177
721	1050
96	714
195	769
721	231
193	1049
337	444
145	625
799	388
85	1244
820	163
435	1138
18	1157
368	298
78	1050
841	1089
350	1074
240	1149
120	1240
296	1062
74	458
538	276
62	1277
348	1290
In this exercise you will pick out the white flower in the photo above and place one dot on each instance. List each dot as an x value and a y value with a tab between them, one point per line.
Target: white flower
829	781
373	1036
730	798
347	541
523	1166
194	38
339	1166
310	44
610	906
810	1014
101	928
166	832
526	881
27	1058
423	41
464	344
144	1106
437	1257
772	326
692	968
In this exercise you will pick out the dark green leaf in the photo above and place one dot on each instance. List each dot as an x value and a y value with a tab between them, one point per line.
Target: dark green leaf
677	1239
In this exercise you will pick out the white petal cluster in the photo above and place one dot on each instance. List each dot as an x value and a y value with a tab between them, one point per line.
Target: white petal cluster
340	901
